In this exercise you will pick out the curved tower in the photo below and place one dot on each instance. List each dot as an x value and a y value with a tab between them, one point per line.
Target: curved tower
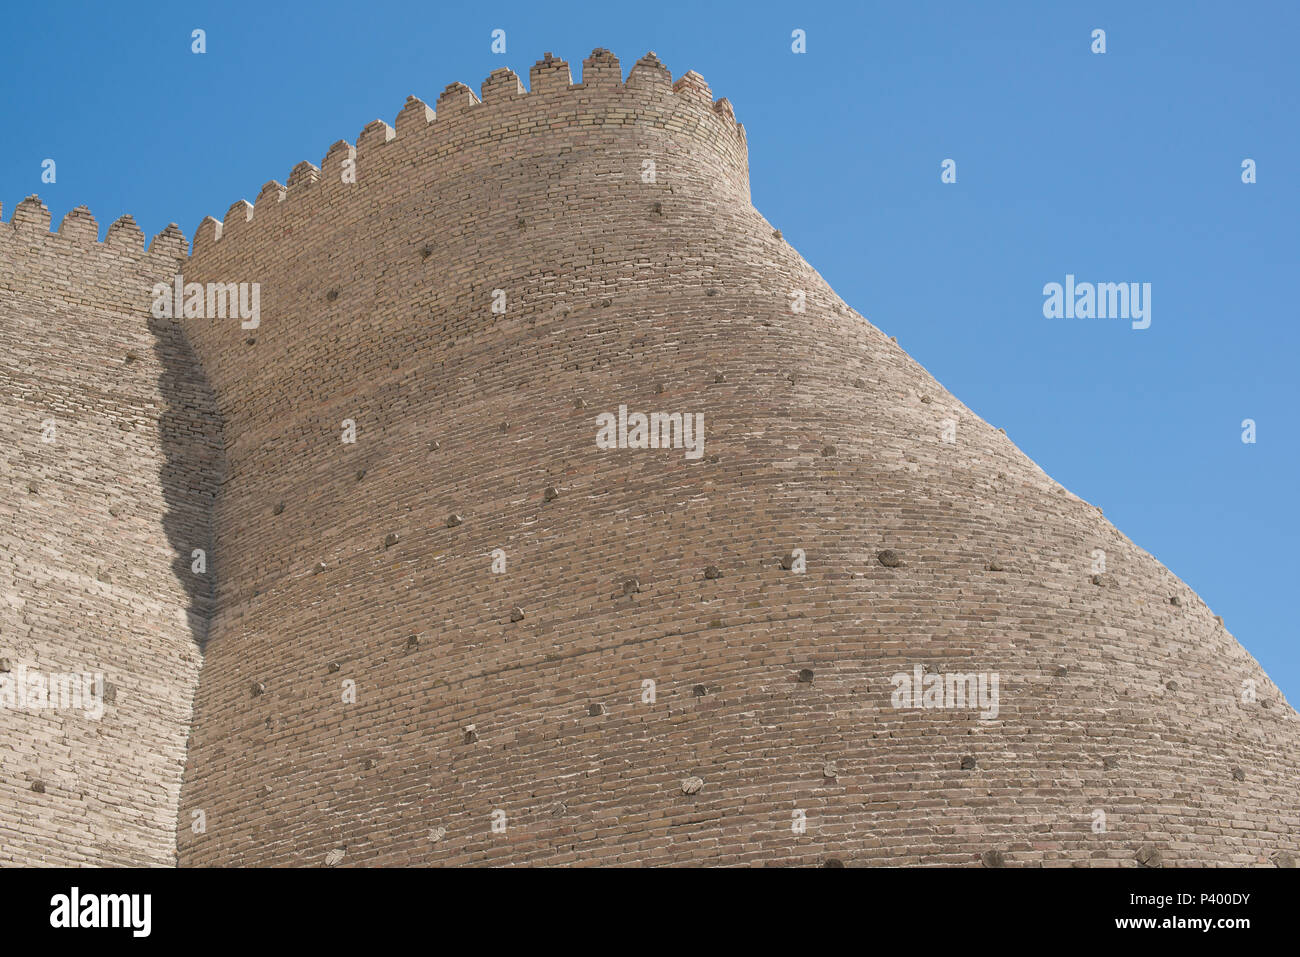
641	679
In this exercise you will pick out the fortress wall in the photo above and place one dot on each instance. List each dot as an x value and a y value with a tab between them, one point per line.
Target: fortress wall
820	433
338	562
96	530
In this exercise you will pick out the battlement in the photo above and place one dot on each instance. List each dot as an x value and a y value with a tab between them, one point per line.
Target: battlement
462	129
74	266
31	221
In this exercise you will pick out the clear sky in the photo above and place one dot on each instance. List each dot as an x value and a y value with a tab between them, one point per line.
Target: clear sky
1119	166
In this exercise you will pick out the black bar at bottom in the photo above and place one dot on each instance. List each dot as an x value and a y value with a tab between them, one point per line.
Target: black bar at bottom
331	906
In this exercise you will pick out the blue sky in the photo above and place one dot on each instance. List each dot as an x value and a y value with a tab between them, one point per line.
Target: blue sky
1123	166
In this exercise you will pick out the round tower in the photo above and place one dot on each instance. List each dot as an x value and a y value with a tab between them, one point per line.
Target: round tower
483	599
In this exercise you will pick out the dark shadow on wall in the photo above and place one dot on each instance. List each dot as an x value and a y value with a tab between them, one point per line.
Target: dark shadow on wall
192	468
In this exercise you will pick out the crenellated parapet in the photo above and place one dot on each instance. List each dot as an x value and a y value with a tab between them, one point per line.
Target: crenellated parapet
39	262
647	115
31	221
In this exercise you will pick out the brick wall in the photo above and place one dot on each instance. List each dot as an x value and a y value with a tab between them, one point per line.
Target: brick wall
341	563
97	526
